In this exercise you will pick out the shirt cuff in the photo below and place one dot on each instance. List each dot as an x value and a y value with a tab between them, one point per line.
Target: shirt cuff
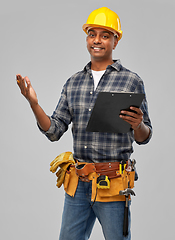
50	130
148	139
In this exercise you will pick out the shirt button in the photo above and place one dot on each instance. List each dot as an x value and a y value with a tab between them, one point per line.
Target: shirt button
91	92
85	146
91	76
89	109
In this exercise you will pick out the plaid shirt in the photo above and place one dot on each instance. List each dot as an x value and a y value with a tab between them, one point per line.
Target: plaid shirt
77	100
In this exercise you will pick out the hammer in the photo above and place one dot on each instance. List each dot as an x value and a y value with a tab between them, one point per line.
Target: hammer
126	192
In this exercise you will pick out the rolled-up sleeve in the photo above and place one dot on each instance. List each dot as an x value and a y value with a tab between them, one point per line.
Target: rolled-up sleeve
60	119
144	108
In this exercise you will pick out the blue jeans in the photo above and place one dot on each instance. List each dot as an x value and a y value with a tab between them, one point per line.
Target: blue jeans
79	217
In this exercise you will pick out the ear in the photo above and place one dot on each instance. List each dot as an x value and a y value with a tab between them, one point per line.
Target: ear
115	43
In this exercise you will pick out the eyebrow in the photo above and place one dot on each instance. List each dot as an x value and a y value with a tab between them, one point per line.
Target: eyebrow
104	31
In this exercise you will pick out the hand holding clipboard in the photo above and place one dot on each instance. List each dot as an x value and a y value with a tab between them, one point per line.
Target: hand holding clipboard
106	114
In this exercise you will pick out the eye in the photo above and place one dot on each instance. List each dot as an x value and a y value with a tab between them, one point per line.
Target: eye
105	36
91	34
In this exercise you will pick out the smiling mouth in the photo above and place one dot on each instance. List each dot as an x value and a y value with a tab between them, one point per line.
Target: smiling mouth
97	48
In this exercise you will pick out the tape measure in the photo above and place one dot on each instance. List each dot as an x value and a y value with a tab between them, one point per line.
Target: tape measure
103	182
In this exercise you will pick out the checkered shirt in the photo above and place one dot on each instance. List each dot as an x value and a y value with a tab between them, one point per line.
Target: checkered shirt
76	102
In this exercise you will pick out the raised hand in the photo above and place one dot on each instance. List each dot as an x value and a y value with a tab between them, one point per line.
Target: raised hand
26	89
29	93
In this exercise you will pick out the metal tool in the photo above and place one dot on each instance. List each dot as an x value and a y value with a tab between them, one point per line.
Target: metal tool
133	163
103	182
126	193
122	166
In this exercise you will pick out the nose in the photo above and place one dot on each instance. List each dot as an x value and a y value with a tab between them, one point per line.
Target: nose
97	39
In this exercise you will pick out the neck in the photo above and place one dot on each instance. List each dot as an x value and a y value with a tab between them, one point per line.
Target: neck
99	65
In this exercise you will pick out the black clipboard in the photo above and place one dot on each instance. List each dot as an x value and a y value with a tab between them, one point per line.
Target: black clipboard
106	111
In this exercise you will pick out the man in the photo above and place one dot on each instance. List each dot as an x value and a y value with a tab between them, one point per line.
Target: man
101	74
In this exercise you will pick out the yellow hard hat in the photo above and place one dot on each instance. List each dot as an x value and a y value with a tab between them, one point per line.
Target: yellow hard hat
105	18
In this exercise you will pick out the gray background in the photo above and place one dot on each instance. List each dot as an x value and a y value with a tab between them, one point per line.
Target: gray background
44	40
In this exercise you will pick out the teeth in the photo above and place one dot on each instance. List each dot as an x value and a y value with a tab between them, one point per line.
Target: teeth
96	48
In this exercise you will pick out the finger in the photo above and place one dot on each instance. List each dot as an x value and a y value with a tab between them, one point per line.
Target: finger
28	84
131	120
128	119
23	85
20	82
134	119
137	110
27	80
18	78
128	114
134	125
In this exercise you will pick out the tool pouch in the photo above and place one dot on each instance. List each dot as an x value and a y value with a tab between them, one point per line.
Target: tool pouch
131	178
116	185
83	170
71	181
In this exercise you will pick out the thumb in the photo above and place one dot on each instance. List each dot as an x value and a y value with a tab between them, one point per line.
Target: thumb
27	81
29	86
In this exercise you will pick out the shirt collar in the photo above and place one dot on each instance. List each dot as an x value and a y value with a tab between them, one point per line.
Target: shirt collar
116	65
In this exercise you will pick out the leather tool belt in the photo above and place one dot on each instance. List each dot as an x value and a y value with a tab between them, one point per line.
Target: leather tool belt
108	168
86	172
121	175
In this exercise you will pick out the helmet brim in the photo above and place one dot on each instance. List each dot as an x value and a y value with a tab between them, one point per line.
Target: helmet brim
86	27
